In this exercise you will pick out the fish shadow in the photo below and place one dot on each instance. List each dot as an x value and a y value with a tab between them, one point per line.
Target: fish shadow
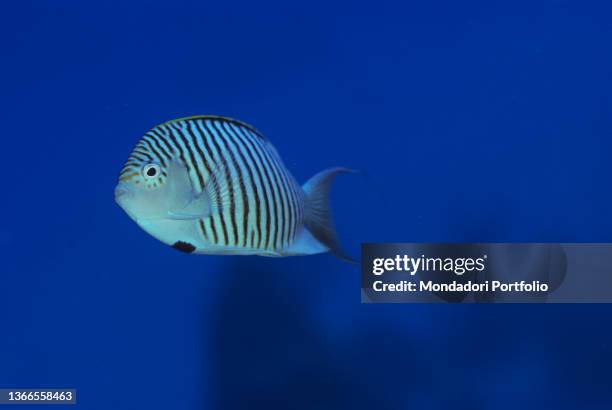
266	350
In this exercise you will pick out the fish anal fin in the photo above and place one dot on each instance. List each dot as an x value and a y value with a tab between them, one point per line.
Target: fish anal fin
305	244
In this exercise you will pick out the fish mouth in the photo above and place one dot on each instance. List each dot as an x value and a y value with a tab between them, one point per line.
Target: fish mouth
121	191
122	197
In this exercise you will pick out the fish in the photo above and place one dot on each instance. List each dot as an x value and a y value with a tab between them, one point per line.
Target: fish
215	185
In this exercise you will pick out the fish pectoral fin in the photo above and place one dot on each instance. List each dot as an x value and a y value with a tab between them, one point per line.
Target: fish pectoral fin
182	217
196	208
217	196
219	187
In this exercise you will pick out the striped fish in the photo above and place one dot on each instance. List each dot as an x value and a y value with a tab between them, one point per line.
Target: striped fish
214	185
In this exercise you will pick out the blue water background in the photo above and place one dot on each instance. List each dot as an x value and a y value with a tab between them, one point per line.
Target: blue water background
475	121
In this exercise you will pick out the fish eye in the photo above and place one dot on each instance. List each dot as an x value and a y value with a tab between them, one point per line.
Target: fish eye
151	171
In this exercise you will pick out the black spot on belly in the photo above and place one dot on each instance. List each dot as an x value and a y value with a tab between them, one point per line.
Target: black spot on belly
184	247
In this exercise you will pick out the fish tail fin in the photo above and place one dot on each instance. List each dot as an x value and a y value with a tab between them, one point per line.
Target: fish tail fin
317	212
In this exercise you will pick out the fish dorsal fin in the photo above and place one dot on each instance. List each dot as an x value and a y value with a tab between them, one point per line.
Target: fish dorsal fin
240	124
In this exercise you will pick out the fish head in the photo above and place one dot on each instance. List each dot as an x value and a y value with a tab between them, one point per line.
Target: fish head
150	190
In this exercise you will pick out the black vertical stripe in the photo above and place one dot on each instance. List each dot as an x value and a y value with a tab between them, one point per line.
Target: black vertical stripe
130	164
192	165
218	162
266	182
138	157
271	177
289	214
205	148
228	182
161	149
204	137
223	224
279	191
154	150
245	199
241	149
251	238
142	151
293	200
196	144
291	205
226	153
163	140
213	230
260	189
171	139
203	228
282	217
